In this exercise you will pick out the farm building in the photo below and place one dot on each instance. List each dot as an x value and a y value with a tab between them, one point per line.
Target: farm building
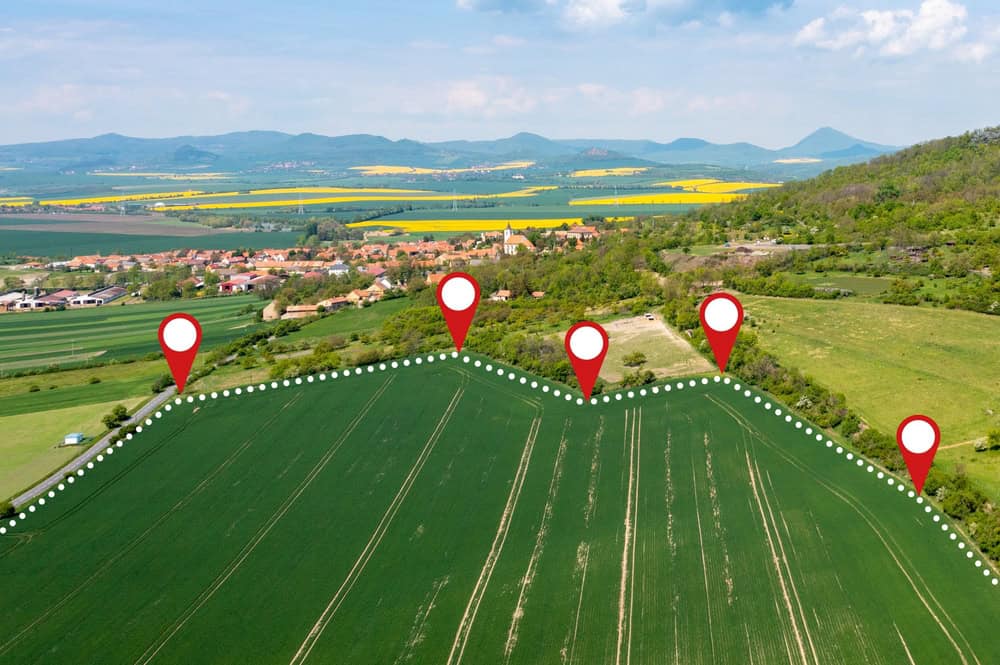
73	439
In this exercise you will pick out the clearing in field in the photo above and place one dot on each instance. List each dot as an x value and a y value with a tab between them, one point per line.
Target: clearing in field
442	513
667	354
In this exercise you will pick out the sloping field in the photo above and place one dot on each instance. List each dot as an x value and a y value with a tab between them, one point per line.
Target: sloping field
112	331
444	514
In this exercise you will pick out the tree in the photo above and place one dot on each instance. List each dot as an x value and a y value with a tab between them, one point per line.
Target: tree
635	359
12	283
118	415
161	289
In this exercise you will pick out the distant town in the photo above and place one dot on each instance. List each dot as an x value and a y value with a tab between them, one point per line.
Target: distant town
215	272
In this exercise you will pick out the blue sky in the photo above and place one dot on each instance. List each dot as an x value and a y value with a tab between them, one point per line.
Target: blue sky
767	72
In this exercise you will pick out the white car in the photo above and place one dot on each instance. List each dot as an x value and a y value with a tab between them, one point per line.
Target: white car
649	316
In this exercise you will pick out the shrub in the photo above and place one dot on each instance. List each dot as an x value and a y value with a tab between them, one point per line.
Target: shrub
162	382
33	388
93	380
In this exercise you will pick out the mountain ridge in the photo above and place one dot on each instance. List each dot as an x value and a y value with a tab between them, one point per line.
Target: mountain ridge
258	148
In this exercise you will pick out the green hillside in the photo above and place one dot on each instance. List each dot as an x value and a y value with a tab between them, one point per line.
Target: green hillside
931	193
457	511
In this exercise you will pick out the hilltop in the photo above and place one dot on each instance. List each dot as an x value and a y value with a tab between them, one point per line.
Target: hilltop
922	194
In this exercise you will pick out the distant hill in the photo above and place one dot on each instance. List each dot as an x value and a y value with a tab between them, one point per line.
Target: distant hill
820	150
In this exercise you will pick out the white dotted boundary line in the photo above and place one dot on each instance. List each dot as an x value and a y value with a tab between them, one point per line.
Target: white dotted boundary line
557	393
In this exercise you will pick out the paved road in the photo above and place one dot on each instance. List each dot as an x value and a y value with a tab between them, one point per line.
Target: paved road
90	453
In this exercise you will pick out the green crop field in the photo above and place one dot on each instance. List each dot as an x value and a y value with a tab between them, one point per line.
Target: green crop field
58	243
444	514
40	339
350	320
860	284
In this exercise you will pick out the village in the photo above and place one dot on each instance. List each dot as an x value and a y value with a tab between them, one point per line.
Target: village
263	271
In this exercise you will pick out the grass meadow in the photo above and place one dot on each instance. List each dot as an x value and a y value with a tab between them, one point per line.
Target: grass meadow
442	513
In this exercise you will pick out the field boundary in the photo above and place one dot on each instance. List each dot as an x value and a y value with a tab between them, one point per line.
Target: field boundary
552	389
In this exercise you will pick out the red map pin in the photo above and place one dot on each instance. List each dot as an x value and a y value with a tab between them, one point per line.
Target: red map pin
586	346
180	336
458	297
721	318
918	438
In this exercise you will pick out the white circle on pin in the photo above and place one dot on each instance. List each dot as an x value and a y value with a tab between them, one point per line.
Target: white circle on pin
586	343
721	314
179	335
918	436
458	294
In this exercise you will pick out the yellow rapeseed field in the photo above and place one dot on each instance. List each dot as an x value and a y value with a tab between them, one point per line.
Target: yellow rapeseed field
336	190
666	197
385	169
621	170
713	185
351	198
119	199
457	225
686	184
729	187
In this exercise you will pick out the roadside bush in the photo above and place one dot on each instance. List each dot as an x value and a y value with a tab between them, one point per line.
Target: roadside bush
6	509
162	382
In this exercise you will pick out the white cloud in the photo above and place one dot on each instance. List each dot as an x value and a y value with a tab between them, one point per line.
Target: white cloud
973	52
594	13
490	97
507	41
935	25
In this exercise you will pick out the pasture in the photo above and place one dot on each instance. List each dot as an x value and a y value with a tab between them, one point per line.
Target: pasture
892	361
30	445
112	332
442	513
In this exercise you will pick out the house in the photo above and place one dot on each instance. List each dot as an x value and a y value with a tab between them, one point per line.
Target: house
338	270
333	304
503	295
515	242
73	439
8	301
537	295
581	232
299	312
270	312
434	278
359	297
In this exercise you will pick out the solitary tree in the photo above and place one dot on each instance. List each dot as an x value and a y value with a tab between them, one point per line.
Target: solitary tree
635	359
